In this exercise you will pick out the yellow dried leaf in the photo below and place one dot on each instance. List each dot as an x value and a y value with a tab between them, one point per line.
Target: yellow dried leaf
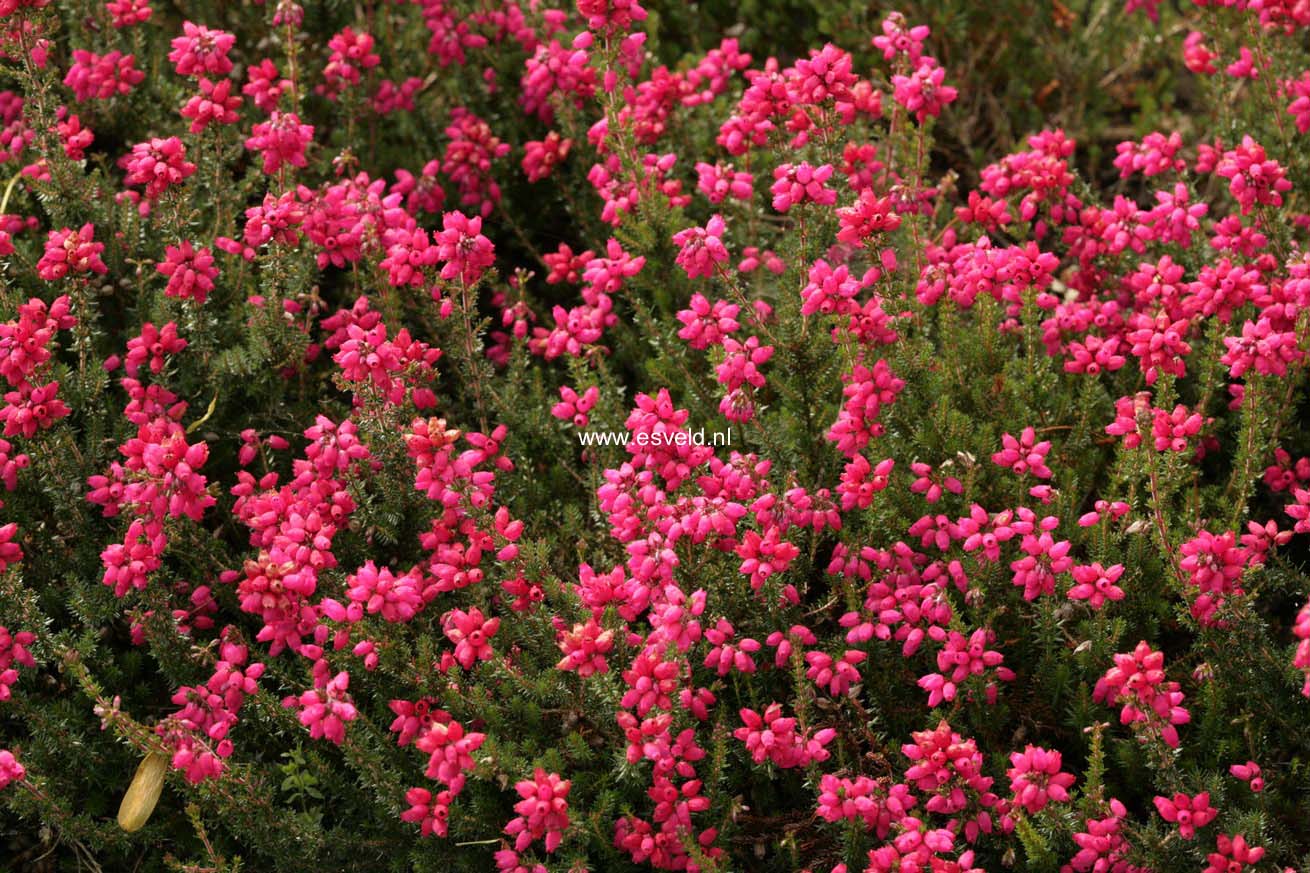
142	795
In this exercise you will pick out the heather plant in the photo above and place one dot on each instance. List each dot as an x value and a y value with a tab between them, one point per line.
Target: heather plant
496	436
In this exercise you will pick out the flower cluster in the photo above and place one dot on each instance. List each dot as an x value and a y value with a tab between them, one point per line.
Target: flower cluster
699	464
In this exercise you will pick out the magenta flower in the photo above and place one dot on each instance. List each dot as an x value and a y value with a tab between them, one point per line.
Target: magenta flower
541	157
1252	178
1137	683
1189	813
326	712
775	738
720	181
215	104
1036	780
923	92
126	13
1096	584
867	216
100	77
542	812
460	244
281	140
1233	855
701	248
1043	560
71	251
158	164
201	51
1250	774
706	324
471	632
898	38
190	271
960	659
573	407
611	16
802	183
1024	455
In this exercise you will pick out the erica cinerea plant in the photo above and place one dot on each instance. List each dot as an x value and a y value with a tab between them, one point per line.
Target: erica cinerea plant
358	363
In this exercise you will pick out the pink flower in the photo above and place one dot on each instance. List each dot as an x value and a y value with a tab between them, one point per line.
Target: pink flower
860	480
1269	351
585	647
1161	344
381	592
1253	178
801	183
326	712
1197	57
449	749
126	13
1301	659
430	813
215	104
1299	89
1250	774
152	345
200	51
1214	565
71	251
1233	855
190	271
282	140
468	160
32	408
869	215
471	632
460	244
706	324
1102	846
1137	682
554	72
76	138
960	659
158	164
1043	560
541	157
1035	779
352	53
898	38
573	407
948	770
866	392
1155	154
264	87
719	181
1189	813
836	675
1173	429
932	487
542	812
923	92
1096	584
100	77
1024	455
611	16
10	769
773	737
13	651
701	248
408	253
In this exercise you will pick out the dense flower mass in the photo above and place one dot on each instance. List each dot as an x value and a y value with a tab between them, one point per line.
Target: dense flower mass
544	435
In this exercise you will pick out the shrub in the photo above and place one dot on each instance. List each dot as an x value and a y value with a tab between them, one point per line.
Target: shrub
458	435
